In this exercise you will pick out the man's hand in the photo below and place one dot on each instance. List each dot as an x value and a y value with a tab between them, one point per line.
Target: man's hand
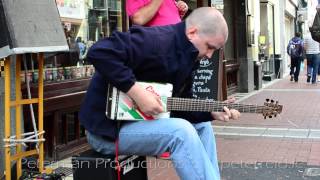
228	113
148	102
231	99
182	7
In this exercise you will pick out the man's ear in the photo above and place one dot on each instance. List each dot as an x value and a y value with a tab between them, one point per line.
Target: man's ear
191	32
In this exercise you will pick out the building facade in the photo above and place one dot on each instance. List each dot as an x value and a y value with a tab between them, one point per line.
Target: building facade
258	35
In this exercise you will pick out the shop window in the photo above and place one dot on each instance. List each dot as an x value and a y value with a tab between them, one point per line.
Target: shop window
69	128
99	4
104	18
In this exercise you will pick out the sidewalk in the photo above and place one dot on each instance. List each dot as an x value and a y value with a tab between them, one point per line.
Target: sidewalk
284	147
292	138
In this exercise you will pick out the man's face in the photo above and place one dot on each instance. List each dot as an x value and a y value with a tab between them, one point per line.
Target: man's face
206	44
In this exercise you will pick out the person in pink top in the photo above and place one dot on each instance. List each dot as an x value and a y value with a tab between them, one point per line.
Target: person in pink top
155	12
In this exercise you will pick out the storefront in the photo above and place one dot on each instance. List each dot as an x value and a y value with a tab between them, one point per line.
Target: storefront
267	31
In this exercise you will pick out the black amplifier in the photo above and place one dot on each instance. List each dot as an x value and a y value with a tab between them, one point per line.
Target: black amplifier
96	166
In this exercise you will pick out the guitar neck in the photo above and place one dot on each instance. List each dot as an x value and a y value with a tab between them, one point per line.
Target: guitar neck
185	104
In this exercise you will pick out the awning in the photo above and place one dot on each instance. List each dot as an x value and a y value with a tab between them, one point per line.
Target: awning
30	27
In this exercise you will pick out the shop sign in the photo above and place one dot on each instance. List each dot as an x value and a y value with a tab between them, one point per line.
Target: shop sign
71	8
217	4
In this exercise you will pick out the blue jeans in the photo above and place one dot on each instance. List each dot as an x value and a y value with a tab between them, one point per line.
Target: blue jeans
313	61
192	147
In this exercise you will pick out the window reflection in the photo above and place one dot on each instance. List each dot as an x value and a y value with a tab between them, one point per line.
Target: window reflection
103	18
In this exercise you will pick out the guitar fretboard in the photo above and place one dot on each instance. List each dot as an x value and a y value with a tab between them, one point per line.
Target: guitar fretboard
185	104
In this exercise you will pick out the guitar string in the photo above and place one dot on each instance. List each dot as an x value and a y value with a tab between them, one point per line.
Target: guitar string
199	105
209	105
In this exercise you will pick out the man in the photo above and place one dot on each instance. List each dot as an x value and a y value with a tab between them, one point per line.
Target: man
157	54
295	51
313	59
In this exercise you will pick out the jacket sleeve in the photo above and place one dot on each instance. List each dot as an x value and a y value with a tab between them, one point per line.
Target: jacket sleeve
288	48
110	57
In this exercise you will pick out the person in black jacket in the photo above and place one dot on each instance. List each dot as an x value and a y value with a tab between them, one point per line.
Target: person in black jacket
295	51
157	54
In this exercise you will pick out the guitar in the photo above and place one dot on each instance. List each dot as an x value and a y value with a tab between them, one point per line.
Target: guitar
121	107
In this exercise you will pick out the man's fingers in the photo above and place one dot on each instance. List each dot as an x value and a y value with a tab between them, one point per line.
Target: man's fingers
235	114
158	108
226	118
227	111
230	99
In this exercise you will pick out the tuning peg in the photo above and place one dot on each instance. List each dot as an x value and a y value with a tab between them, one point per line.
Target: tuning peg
265	117
275	115
267	100
270	116
272	100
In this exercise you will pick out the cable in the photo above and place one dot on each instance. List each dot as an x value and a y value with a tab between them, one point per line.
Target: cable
117	138
117	159
30	105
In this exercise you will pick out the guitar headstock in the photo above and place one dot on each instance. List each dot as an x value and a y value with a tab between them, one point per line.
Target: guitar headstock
272	108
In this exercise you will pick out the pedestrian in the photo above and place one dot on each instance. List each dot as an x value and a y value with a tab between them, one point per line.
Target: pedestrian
312	51
82	48
156	54
295	51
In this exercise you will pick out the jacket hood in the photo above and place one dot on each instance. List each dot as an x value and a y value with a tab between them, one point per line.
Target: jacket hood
296	39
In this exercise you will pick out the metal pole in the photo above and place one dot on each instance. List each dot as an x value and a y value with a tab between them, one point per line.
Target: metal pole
40	109
7	116
18	112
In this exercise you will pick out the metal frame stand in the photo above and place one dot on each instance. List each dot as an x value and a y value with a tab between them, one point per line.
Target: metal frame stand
20	139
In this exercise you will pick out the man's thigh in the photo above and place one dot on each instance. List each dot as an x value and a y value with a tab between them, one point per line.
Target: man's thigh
145	137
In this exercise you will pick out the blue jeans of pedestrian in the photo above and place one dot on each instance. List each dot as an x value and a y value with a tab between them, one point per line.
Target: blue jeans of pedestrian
313	65
192	147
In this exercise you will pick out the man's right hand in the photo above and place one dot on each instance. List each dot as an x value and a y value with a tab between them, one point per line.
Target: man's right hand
148	102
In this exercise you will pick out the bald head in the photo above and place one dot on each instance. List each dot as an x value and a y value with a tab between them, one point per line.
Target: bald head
209	22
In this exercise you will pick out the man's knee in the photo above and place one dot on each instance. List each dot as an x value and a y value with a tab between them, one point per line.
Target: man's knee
183	128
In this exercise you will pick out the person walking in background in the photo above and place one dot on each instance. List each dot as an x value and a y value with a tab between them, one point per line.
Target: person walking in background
312	50
82	48
295	51
156	13
319	73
